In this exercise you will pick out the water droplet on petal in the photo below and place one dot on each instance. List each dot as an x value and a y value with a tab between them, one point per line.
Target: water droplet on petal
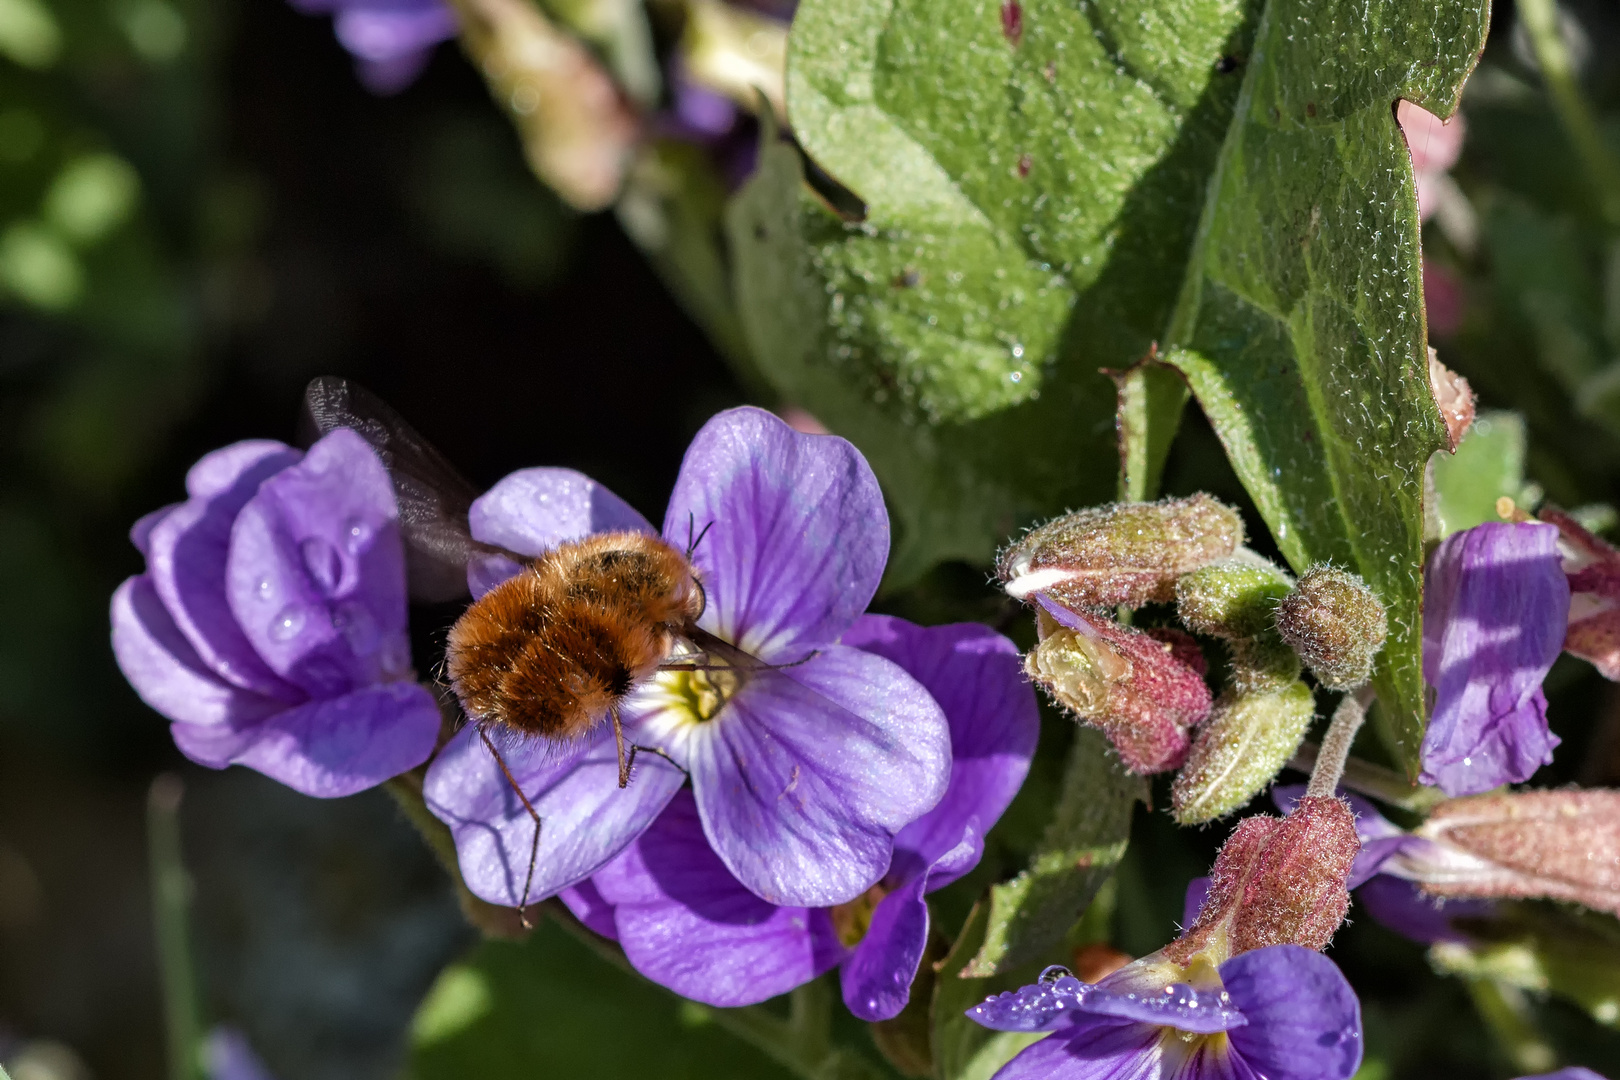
288	622
357	534
266	588
323	563
1054	973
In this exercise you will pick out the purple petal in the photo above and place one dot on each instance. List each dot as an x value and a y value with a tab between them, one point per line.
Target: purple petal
1401	906
586	902
1176	1005
316	573
387	77
687	924
797	533
140	533
228	1055
380	36
977	677
1496	604
346	744
1097	1048
1042	1006
587	818
876	980
807	773
1304	1020
1574	1072
166	671
186	558
531	511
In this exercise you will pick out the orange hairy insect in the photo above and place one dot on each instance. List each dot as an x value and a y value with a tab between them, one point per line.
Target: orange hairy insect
554	651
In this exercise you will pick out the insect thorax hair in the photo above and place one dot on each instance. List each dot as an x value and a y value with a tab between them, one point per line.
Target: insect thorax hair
549	651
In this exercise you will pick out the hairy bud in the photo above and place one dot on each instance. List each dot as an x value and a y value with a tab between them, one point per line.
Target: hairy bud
1232	599
1121	680
1277	882
1335	624
1244	745
1564	845
1262	664
1125	553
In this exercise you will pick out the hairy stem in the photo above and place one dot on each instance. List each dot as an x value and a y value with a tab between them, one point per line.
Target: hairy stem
171	890
1335	748
1385	785
1540	18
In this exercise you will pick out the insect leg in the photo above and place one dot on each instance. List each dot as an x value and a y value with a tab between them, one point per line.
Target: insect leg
534	848
618	741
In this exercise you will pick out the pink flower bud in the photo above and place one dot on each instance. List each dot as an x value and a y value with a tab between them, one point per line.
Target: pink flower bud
1453	397
1564	845
1277	882
1125	553
1124	681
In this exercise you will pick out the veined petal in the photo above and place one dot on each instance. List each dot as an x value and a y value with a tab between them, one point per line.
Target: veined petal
806	774
797	532
686	923
587	818
166	671
342	745
977	677
876	979
1042	1006
1304	1019
1203	1010
586	902
1496	603
186	553
532	511
1095	1048
1401	906
316	572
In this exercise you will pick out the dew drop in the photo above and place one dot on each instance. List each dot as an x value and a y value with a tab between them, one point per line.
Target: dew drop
265	588
288	622
357	534
323	563
1054	973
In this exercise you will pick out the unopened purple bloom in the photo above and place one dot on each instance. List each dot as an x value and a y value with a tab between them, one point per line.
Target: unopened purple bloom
269	625
802	770
391	40
1283	1012
227	1055
1496	604
686	922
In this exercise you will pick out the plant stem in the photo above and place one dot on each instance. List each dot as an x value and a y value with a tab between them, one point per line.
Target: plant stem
170	896
1507	1014
1335	749
1540	19
1385	785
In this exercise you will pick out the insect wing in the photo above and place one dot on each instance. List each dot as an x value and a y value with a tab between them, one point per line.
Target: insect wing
433	497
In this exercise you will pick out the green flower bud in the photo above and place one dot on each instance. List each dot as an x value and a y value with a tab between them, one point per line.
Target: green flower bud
1262	664
1237	753
1125	553
1233	598
1336	625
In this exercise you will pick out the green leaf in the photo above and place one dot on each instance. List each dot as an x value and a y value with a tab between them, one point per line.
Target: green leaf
1300	327
962	1049
547	1007
1488	464
1030	201
1084	842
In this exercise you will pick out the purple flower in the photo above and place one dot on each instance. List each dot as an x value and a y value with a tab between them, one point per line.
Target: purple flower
270	623
802	772
1495	607
1574	1072
686	922
227	1055
391	40
1283	1012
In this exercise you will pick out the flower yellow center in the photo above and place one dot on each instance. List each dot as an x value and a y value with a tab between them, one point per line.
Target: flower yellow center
851	920
701	693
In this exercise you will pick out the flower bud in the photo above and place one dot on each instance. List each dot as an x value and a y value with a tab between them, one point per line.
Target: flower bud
1564	845
1262	664
1277	882
1453	397
1238	752
1335	624
1124	553
1234	598
1121	680
1593	569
